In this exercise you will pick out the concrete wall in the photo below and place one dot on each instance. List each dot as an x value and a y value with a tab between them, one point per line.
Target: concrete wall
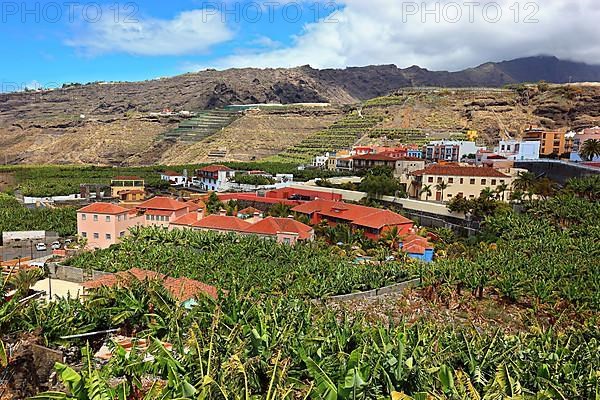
72	274
559	171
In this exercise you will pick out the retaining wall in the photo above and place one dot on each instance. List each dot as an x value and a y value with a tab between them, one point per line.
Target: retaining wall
72	274
396	288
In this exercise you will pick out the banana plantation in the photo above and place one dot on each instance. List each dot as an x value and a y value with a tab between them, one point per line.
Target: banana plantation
273	333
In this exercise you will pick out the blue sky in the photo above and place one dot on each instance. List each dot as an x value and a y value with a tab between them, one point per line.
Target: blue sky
50	43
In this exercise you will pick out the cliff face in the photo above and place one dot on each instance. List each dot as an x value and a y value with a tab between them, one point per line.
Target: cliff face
109	123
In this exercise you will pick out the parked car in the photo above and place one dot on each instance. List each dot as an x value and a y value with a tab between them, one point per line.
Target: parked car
56	245
39	265
41	247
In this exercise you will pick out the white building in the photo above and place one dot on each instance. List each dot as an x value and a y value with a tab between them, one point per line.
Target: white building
214	177
321	161
449	150
515	150
175	178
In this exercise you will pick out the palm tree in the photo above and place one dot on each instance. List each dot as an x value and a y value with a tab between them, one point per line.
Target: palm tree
525	182
392	238
441	187
487	193
590	149
501	190
427	191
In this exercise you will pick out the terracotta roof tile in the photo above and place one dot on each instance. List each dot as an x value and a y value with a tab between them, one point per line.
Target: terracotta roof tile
162	203
180	288
215	168
222	222
103	208
273	226
187	220
249	211
382	218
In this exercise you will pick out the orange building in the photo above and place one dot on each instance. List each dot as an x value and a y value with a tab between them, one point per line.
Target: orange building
551	142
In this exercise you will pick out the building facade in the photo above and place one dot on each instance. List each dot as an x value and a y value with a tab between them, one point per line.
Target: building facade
105	224
551	142
579	139
126	183
515	150
213	177
465	181
449	150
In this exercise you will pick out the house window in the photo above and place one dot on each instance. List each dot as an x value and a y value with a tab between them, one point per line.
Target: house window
472	196
449	196
108	236
493	182
287	241
118	217
147	218
462	180
502	181
108	218
122	234
484	181
96	235
440	180
430	180
472	181
84	234
95	218
167	219
83	217
450	180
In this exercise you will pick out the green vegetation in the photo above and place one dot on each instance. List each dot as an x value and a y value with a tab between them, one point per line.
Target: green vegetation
55	180
269	338
15	217
255	180
243	264
340	135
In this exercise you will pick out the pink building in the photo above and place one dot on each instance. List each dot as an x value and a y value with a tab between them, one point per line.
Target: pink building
104	224
162	211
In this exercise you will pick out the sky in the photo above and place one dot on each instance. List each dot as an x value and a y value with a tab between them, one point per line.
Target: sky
48	43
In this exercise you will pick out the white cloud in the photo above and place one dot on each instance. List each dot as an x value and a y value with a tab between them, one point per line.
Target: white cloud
385	31
191	32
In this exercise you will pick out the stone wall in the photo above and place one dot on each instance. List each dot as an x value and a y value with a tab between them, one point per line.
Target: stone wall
396	288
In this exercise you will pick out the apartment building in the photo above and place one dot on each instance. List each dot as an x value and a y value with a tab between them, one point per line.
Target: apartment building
467	181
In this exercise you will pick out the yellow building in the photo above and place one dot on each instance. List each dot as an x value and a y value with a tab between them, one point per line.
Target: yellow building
467	181
126	184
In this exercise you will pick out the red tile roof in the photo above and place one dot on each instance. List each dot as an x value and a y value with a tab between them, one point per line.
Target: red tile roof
162	203
382	218
222	223
358	215
272	226
215	168
458	170
163	213
249	211
180	288
416	244
171	173
374	157
187	220
103	208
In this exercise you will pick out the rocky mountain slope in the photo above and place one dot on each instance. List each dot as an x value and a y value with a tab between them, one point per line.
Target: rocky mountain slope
109	123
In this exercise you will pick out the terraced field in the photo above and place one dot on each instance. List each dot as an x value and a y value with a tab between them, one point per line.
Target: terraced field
342	134
206	123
